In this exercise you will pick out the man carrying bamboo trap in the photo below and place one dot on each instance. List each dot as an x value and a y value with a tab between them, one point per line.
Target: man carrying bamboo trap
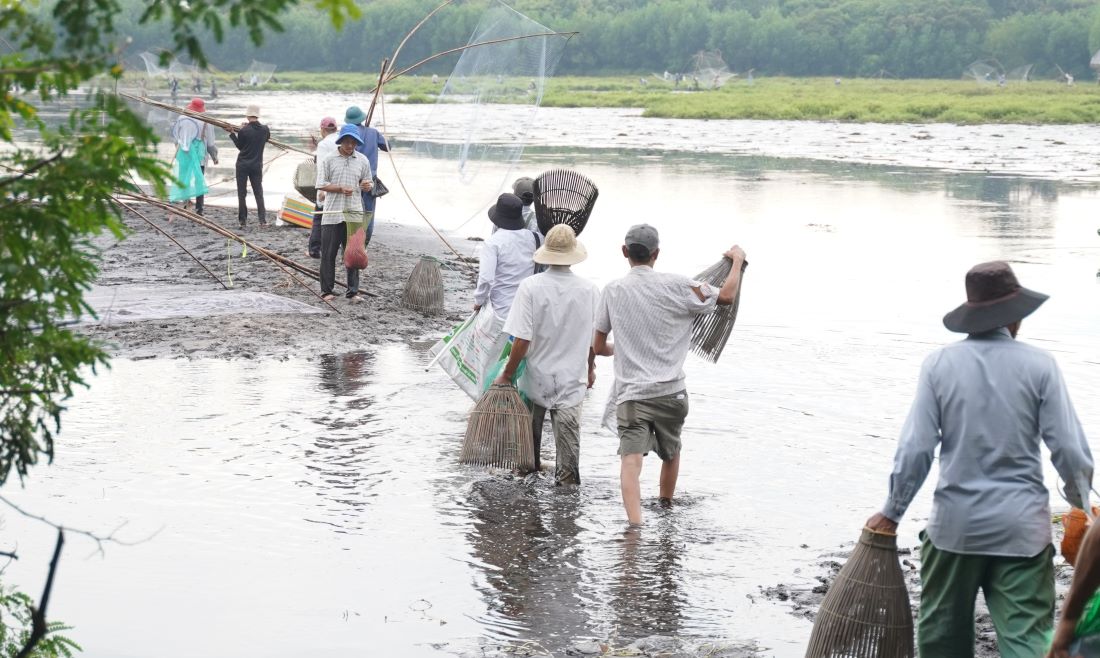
989	402
651	315
343	176
551	322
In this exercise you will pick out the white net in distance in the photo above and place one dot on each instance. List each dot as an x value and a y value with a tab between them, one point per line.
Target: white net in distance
709	70
471	140
259	73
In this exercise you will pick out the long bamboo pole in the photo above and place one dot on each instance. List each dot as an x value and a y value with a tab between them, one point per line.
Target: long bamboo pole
165	234
377	90
206	118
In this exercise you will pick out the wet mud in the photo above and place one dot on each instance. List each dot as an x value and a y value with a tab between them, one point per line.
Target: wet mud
147	260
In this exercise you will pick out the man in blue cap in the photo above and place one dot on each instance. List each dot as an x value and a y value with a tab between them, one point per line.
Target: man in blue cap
370	141
342	178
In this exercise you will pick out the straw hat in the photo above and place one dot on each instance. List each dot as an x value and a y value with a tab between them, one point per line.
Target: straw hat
994	299
196	105
560	248
252	111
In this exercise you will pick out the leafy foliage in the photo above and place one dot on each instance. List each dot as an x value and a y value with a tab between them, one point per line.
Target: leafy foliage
16	610
56	181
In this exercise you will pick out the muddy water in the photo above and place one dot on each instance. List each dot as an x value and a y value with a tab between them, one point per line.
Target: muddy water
315	504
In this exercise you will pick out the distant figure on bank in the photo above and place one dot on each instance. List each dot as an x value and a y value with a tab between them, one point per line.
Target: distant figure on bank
988	402
524	188
250	139
1069	79
213	88
551	323
326	148
435	79
344	176
370	142
650	314
174	87
1086	580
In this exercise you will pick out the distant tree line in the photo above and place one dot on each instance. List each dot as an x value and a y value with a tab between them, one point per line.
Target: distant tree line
899	38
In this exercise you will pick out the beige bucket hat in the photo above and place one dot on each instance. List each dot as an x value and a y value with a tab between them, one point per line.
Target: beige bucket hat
561	247
252	111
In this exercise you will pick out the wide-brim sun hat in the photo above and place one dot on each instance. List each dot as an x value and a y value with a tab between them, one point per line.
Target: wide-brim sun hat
252	111
349	130
994	299
507	213
197	105
561	247
355	115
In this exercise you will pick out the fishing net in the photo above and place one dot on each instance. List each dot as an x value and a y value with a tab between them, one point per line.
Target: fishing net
472	138
153	69
259	73
1094	63
709	70
983	71
1020	73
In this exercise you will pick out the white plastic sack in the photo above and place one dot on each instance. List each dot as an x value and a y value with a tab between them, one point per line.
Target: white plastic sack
471	350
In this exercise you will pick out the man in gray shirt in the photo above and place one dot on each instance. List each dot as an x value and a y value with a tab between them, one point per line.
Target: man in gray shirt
651	314
988	402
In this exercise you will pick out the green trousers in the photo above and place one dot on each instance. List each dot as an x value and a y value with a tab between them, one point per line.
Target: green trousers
1018	590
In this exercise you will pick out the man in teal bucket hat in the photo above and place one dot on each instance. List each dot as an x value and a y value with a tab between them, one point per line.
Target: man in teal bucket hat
370	142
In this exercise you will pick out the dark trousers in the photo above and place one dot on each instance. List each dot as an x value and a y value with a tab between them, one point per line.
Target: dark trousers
200	199
253	174
315	232
334	237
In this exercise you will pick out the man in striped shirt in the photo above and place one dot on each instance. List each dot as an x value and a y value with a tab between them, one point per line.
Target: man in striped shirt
651	314
342	178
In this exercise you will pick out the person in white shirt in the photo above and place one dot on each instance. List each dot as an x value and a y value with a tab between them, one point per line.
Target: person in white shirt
524	188
506	257
551	323
326	148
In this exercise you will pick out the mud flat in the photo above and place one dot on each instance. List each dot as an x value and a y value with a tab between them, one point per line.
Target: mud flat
148	261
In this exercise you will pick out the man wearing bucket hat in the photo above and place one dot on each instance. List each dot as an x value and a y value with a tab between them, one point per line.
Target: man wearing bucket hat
551	322
250	139
989	402
371	141
651	314
505	257
342	178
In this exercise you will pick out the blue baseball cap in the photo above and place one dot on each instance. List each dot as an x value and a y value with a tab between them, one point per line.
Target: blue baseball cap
349	130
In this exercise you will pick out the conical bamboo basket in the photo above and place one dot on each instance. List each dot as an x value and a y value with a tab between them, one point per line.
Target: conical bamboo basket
499	432
866	613
711	332
424	289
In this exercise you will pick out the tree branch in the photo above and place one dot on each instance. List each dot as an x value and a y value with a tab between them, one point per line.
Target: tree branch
38	613
33	168
97	538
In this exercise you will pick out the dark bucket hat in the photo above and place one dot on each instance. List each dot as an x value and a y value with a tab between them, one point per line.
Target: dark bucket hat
508	212
994	299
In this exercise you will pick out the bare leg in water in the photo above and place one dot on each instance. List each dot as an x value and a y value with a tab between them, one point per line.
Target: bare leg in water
629	476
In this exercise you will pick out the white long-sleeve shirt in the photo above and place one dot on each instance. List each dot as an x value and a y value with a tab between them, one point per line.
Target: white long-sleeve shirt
505	262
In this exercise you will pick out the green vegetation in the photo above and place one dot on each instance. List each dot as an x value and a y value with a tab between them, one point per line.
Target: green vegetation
850	38
818	99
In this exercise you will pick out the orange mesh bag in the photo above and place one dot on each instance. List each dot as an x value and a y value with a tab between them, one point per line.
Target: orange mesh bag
1074	524
355	253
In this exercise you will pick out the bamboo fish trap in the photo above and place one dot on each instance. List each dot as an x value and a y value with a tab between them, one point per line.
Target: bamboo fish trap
499	432
711	332
424	289
866	613
564	197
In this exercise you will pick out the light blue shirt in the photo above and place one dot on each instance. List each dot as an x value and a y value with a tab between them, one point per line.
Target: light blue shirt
987	401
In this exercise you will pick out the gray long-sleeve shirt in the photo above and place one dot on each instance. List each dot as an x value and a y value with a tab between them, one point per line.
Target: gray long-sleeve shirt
987	401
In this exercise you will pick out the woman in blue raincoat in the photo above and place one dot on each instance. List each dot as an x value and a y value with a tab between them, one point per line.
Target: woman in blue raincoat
188	180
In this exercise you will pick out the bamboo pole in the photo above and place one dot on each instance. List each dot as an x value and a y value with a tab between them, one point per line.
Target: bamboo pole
377	90
206	118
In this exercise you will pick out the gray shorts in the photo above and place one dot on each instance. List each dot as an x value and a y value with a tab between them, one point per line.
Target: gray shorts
652	424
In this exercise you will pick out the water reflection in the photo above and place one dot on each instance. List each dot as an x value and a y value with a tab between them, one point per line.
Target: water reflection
338	458
645	589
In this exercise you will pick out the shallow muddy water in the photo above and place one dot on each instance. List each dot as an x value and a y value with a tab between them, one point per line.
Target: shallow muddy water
315	505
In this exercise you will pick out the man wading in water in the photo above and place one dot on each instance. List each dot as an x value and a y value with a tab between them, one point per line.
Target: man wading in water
551	322
651	314
987	401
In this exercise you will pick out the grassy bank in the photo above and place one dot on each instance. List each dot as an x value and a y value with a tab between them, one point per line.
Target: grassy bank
819	99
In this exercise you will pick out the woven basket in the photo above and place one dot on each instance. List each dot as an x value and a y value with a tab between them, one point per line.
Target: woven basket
711	332
499	432
866	613
424	289
564	197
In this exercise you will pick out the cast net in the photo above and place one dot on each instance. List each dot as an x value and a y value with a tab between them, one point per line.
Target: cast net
259	73
983	71
709	70
1094	63
1020	73
472	138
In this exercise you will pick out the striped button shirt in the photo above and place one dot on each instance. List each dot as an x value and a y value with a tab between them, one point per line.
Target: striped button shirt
650	314
345	171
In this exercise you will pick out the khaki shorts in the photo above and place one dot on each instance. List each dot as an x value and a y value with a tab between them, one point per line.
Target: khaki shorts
652	424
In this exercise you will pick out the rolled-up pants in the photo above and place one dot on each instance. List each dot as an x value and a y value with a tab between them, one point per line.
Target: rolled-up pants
1018	590
565	423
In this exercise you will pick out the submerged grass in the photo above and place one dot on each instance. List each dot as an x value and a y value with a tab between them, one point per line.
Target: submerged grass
815	99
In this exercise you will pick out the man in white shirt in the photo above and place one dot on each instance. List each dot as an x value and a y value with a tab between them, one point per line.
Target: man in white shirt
551	323
651	314
326	148
506	257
